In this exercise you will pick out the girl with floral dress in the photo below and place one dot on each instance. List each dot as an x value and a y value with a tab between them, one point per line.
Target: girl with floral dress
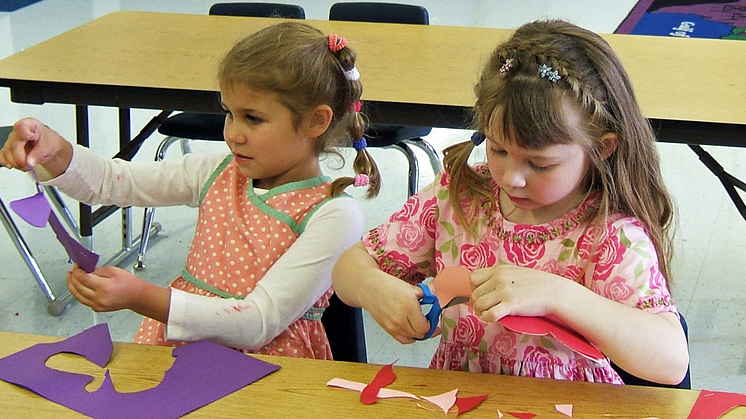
569	217
270	224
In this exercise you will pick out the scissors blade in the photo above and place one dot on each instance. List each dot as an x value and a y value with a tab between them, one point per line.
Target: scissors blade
457	300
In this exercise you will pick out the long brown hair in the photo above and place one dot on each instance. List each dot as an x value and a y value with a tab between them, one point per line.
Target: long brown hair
293	60
534	112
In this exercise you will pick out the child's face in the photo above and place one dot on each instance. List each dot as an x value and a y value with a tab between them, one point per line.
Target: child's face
538	185
260	133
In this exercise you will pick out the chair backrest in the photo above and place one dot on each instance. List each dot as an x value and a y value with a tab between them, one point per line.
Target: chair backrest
250	9
380	12
630	379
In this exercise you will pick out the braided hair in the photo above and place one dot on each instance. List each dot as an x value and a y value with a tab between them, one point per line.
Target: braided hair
556	83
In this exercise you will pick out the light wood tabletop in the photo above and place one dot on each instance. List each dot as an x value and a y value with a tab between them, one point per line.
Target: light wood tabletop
299	389
169	61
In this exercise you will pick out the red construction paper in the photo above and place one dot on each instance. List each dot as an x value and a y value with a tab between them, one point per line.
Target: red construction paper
550	325
521	415
714	404
465	404
202	373
384	377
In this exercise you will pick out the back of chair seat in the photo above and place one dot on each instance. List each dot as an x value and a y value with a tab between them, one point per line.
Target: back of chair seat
380	12
250	9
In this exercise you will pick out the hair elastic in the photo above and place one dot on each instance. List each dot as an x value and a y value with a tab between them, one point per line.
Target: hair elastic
477	138
361	180
356	106
360	144
546	71
352	74
506	66
336	43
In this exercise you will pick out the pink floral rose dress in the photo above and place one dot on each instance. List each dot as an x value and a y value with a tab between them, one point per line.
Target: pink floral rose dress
425	236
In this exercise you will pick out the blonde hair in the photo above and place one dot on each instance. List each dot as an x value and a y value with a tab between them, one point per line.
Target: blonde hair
534	112
293	61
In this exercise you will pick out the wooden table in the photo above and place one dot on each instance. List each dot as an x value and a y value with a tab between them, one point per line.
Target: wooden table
299	389
690	89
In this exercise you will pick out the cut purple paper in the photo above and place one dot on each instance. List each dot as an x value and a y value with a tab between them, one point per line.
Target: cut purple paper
77	252
34	209
202	373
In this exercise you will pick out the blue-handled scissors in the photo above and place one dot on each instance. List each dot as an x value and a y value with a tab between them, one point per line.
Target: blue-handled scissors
433	316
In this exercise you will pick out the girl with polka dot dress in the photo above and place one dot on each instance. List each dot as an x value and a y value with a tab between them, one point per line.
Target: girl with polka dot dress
569	217
270	227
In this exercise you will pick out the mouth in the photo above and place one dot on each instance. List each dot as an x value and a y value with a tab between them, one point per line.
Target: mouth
241	158
516	200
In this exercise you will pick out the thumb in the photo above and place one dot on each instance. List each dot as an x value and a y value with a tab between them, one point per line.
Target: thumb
28	133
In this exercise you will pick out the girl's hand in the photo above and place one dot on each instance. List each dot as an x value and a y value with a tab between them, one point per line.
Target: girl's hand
513	290
105	289
397	309
31	143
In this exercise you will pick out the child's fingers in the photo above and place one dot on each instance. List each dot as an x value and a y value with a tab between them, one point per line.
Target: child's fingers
480	276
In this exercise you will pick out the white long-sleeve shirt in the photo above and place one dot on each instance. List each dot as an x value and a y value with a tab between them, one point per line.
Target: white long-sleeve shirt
274	304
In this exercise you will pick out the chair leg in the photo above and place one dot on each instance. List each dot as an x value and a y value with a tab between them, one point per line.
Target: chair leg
432	155
414	177
149	214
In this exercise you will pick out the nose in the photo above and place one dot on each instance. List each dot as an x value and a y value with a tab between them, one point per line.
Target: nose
513	176
232	131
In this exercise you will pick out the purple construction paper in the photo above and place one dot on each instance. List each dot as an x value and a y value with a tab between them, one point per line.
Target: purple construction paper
202	373
77	252
34	209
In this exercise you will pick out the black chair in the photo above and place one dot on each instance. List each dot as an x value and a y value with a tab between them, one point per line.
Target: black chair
345	330
187	126
397	136
630	379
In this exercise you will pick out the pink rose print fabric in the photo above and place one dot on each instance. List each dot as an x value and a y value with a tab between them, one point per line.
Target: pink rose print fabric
615	260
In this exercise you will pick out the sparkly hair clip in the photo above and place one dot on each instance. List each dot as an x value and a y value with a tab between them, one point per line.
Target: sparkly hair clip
477	138
507	66
546	71
359	144
361	180
352	74
336	43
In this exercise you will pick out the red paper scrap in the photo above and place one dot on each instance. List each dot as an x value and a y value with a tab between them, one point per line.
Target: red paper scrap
465	404
714	404
384	377
550	325
522	415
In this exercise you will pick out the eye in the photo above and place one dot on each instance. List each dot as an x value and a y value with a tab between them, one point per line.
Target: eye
253	119
537	168
498	151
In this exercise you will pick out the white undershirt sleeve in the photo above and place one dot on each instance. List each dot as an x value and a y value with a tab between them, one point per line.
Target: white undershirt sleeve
289	288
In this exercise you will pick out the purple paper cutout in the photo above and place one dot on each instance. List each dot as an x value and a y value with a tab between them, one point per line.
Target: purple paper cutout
202	373
77	252
36	211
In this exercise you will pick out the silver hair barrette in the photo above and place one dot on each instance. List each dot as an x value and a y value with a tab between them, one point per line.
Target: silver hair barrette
507	66
546	71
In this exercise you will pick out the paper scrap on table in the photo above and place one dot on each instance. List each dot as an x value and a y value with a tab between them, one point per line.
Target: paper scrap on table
384	377
444	401
714	404
385	393
565	409
202	373
465	404
36	211
522	415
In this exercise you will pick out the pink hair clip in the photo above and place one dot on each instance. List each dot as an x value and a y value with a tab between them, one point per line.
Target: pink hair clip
336	43
507	66
361	180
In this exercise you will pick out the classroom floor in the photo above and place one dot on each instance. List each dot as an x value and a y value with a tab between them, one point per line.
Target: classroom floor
709	288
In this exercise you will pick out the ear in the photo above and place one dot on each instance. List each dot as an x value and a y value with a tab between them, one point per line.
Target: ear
318	120
610	141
